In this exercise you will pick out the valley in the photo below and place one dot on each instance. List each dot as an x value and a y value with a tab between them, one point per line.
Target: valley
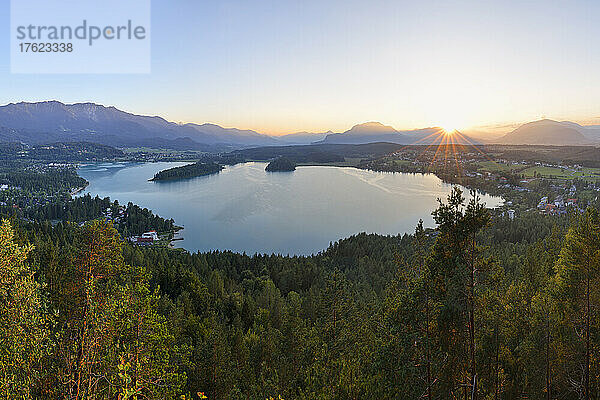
288	249
300	200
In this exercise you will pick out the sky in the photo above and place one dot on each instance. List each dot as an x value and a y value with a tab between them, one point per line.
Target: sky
287	66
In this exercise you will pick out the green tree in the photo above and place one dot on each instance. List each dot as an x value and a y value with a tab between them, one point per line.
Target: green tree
454	265
409	315
142	346
578	282
113	340
23	325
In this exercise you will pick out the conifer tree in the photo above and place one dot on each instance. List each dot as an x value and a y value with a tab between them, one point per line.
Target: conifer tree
454	266
578	281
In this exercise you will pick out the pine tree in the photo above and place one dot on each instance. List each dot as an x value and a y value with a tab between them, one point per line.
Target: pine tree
454	266
410	313
578	278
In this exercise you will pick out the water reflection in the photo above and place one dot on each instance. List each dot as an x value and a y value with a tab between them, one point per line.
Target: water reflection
244	208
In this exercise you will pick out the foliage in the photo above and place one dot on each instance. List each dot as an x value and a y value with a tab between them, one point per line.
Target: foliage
488	305
58	152
188	171
50	181
131	220
23	330
281	164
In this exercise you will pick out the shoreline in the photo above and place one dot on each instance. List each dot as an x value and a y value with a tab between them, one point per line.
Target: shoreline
79	189
353	164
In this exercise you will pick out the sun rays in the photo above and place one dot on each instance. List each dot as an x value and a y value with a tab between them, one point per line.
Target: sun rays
445	150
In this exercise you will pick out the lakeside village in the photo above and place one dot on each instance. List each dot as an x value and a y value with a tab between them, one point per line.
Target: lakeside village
149	238
45	189
48	192
117	216
39	184
563	193
565	196
549	188
555	188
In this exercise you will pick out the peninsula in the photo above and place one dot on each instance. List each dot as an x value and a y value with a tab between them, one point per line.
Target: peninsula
188	171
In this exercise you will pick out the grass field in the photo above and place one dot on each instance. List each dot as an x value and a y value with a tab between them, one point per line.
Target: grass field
588	174
492	166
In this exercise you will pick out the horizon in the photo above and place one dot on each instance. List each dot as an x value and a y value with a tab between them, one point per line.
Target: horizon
480	131
428	228
287	68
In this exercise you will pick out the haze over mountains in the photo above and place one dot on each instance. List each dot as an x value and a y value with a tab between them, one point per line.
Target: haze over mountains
549	132
53	121
303	137
371	132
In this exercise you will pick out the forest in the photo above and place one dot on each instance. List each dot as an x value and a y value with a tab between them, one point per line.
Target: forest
51	181
134	219
281	164
188	171
316	153
482	307
58	152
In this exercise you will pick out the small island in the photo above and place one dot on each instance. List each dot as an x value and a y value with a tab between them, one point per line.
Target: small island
281	164
188	171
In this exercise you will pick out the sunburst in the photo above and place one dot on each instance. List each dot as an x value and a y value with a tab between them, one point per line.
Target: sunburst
449	131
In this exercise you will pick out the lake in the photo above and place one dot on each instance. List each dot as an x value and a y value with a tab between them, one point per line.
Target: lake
246	209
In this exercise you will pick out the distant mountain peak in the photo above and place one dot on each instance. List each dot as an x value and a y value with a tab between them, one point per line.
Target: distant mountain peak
209	125
53	120
372	126
367	132
371	123
303	137
373	131
545	132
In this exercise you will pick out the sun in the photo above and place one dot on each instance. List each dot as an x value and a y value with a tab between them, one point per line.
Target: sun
448	126
448	129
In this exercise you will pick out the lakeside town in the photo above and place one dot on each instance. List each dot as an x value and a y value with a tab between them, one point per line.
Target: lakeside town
300	200
526	185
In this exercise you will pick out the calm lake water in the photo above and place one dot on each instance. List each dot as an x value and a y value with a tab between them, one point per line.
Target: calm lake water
246	209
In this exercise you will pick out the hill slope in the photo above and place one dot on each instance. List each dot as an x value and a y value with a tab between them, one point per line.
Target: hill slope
54	121
369	132
303	137
373	132
545	132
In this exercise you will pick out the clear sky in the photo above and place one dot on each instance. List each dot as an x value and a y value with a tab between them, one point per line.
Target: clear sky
285	66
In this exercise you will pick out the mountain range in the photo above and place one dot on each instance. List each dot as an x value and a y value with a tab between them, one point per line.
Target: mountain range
303	137
53	121
548	132
371	132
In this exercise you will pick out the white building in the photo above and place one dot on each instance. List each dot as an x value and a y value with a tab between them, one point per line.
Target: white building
152	234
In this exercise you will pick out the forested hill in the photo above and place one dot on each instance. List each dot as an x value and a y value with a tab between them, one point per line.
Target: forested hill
58	152
372	317
187	171
281	164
